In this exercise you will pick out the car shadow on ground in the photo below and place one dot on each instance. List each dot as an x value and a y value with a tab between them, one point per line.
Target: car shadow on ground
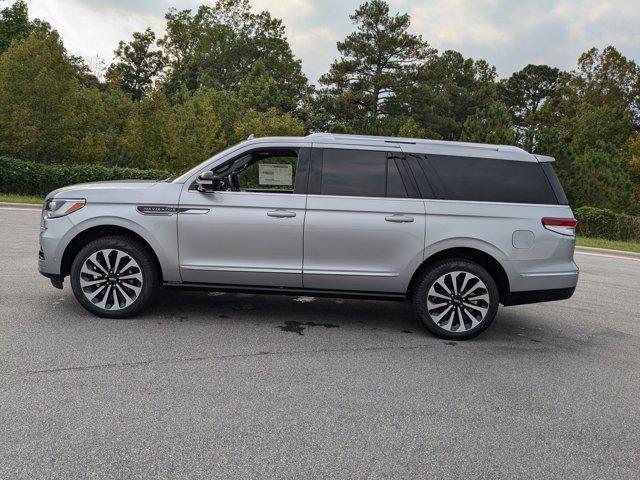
295	314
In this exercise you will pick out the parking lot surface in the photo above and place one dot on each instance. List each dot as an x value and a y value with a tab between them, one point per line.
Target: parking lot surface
210	385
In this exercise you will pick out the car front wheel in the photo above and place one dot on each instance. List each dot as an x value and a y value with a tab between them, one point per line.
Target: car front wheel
456	299
114	277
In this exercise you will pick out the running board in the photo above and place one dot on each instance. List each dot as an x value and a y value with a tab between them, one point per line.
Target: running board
311	292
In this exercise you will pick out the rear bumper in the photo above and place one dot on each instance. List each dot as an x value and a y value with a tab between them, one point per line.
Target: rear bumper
536	296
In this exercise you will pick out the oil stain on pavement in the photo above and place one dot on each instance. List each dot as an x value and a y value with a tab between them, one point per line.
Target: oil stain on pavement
298	327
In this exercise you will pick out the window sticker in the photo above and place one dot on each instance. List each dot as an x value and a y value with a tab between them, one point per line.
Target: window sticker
275	174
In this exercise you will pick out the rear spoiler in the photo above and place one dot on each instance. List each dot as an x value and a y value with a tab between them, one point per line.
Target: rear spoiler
544	158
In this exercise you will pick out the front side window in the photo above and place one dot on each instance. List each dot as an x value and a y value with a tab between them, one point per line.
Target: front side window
360	173
261	171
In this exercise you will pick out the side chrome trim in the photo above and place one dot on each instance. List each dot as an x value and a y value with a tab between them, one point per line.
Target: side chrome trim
216	268
169	210
350	273
157	210
550	274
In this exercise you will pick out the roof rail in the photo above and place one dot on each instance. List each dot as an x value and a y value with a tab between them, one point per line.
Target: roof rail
424	141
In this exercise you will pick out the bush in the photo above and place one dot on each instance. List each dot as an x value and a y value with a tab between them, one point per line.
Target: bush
605	223
31	178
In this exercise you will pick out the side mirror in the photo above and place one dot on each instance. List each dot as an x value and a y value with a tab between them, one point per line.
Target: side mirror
205	181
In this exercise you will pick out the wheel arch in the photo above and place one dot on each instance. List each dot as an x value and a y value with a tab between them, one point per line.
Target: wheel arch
481	257
99	231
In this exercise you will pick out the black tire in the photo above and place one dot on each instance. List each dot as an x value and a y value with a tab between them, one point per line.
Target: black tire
147	268
448	327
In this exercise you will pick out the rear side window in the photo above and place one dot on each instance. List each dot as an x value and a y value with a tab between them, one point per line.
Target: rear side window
492	180
360	173
547	168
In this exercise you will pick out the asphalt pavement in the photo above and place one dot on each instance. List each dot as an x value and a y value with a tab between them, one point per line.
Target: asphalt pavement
211	385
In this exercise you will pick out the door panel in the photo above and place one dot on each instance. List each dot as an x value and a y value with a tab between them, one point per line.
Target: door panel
244	238
362	243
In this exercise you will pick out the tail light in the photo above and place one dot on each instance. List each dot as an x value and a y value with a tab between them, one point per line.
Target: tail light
563	226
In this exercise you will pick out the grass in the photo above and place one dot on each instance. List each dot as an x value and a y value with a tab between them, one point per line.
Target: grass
14	198
610	244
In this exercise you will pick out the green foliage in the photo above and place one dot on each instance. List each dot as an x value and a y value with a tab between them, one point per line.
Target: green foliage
524	93
605	223
37	99
267	124
260	91
448	88
490	125
376	59
137	65
14	24
223	72
600	179
217	46
32	178
411	129
631	155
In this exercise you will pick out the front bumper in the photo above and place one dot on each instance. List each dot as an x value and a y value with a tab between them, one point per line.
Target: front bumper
52	244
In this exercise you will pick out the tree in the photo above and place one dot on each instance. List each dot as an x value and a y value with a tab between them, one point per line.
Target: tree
267	124
594	107
261	92
410	129
14	24
599	179
490	125
632	157
609	78
448	89
376	59
37	99
199	132
137	65
150	134
524	93
217	46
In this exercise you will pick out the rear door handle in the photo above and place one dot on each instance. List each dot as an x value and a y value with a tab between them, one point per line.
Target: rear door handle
398	219
281	213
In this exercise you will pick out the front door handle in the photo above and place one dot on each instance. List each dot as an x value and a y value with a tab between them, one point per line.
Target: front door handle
281	213
398	219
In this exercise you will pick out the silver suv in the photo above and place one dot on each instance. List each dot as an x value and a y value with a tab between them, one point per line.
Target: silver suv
456	228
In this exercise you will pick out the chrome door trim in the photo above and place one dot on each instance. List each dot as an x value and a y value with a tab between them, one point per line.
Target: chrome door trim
218	268
350	273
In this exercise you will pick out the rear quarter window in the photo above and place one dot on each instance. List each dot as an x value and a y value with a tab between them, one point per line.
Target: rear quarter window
491	180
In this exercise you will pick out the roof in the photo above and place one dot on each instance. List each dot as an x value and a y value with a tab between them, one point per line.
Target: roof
411	145
421	145
340	138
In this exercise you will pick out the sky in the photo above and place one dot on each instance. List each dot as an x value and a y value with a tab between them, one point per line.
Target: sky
507	33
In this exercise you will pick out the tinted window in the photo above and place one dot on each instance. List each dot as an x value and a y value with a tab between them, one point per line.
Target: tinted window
357	173
491	180
395	186
547	168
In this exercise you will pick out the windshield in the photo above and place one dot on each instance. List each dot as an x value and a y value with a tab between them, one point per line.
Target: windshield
185	176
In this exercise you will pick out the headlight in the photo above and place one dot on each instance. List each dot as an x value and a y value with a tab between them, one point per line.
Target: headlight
59	207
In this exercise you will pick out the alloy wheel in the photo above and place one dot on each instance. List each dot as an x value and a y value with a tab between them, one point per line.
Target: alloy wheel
111	279
458	301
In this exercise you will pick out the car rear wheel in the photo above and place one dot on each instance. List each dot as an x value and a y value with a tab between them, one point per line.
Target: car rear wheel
456	299
114	277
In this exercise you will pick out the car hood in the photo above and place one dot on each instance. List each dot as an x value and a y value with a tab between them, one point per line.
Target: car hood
122	191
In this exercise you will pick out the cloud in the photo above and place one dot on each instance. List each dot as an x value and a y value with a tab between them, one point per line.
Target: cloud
507	33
